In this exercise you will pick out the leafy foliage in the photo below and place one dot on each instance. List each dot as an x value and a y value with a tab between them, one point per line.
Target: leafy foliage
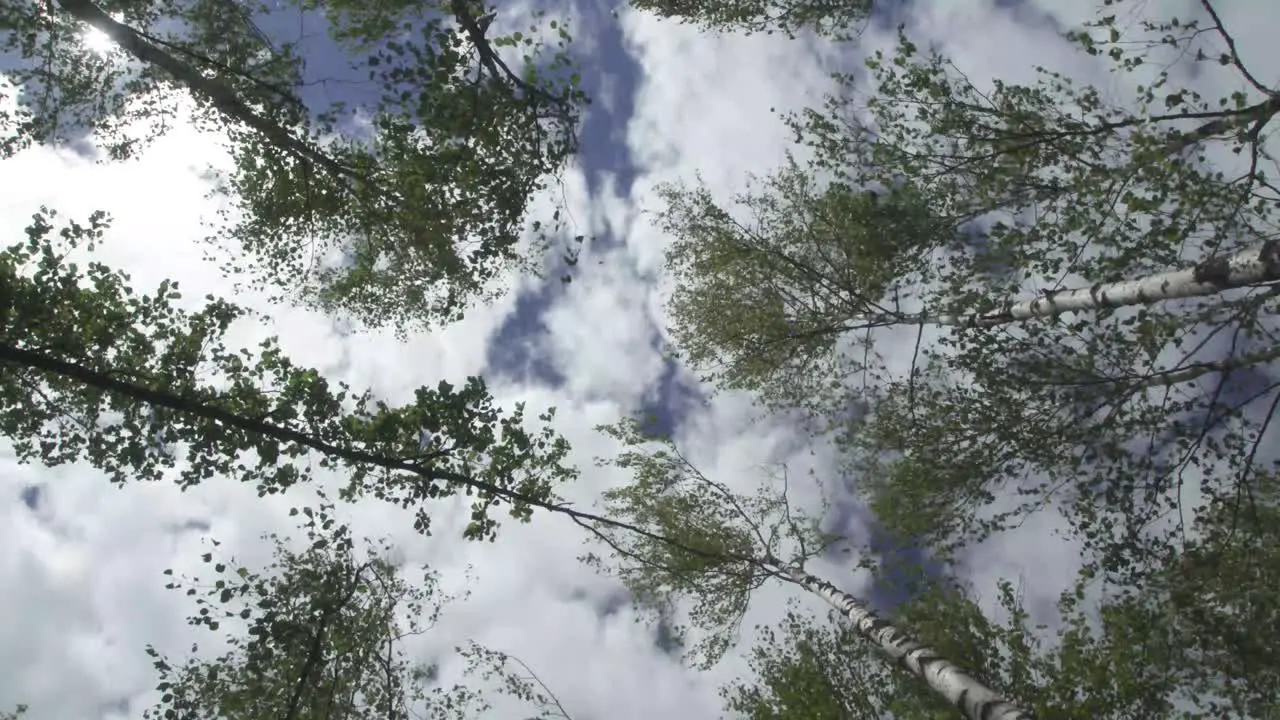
323	639
728	546
768	305
721	539
838	19
1183	647
1120	417
1016	191
1222	594
142	390
323	636
427	208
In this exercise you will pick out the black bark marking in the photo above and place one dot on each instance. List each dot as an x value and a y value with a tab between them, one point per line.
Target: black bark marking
1214	271
911	650
1269	256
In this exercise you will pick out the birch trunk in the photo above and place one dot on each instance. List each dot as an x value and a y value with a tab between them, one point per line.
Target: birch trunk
975	700
1191	372
1257	265
1168	378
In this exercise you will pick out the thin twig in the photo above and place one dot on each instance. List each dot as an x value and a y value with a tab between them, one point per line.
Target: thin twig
1231	46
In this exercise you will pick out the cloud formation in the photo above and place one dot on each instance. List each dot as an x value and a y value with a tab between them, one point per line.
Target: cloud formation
81	561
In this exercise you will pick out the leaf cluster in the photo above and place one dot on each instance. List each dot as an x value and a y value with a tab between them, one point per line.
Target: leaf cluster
142	390
322	634
703	543
426	211
841	20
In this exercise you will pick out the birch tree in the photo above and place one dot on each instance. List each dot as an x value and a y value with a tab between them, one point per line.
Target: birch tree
973	252
738	541
1182	644
1103	278
427	208
1183	647
813	667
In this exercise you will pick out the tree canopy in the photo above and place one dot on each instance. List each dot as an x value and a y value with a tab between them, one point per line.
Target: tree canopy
143	390
1082	266
398	212
840	19
990	300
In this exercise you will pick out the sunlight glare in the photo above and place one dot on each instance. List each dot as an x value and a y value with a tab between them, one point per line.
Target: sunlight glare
97	41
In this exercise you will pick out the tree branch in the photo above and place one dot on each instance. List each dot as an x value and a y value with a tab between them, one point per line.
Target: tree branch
221	96
189	406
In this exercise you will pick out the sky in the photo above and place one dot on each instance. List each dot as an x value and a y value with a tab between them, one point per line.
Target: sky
81	561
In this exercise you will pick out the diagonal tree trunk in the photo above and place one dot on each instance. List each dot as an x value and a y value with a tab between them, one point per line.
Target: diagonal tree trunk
965	693
1176	376
1257	265
1255	116
217	93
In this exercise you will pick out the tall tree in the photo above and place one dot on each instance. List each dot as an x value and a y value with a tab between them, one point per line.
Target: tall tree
739	540
1010	196
142	390
1183	647
428	207
785	304
808	668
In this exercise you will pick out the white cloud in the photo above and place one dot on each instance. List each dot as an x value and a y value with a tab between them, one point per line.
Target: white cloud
83	574
600	334
706	105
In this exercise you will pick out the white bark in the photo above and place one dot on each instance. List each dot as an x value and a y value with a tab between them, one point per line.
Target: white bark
1191	372
971	697
1255	266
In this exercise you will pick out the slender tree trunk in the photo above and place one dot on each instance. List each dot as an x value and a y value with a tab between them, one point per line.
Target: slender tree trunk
1257	265
1167	378
971	697
1256	116
344	449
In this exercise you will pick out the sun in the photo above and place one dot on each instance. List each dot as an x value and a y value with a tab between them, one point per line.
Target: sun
97	41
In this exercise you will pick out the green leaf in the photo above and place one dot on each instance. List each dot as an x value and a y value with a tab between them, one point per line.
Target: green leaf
167	371
399	200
